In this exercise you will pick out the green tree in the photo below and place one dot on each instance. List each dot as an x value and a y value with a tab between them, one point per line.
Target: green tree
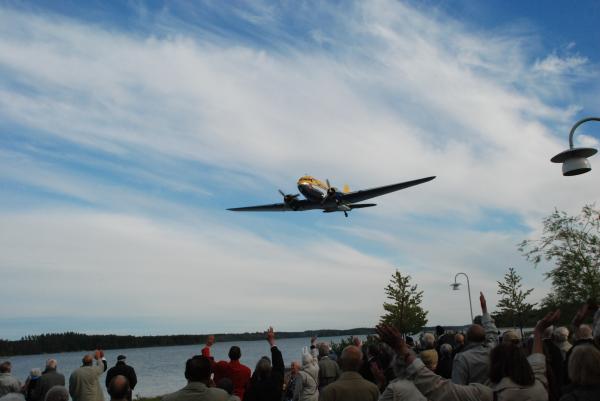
513	302
404	311
573	244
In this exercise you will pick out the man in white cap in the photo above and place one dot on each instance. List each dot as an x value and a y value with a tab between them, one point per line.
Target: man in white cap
122	369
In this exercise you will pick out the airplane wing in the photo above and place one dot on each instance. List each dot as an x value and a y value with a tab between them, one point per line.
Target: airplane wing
359	196
278	207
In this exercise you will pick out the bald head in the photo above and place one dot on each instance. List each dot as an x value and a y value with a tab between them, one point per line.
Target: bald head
57	393
51	364
118	388
584	332
295	366
475	334
459	339
351	359
87	360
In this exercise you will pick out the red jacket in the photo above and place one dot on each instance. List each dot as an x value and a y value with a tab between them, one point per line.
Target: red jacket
238	373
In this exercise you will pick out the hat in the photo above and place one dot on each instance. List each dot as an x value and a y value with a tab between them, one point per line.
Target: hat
121	358
511	337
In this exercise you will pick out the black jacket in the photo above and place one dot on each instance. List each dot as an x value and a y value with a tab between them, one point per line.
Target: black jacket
49	379
121	368
581	393
270	388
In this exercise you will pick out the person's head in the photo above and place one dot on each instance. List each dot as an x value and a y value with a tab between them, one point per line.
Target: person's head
118	388
226	384
428	341
198	369
446	350
373	351
561	334
87	360
478	320
511	337
351	359
121	358
295	367
410	341
548	332
459	339
51	364
475	334
35	373
235	353
263	368
508	360
584	366
429	358
57	393
439	331
323	350
210	340
5	367
584	332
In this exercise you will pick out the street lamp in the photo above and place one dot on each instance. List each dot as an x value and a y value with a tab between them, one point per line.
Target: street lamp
575	160
455	286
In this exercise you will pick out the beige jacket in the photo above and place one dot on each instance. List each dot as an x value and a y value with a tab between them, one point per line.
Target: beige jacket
436	388
401	390
350	387
84	383
197	391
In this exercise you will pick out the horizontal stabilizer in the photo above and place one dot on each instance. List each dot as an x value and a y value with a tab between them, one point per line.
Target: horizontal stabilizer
361	205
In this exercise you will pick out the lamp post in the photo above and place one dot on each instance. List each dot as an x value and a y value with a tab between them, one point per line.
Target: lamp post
574	160
455	287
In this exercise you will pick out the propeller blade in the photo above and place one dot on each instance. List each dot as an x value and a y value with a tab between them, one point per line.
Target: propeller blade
346	188
328	184
281	192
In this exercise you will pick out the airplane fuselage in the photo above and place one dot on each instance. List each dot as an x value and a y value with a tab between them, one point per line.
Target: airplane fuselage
312	189
318	191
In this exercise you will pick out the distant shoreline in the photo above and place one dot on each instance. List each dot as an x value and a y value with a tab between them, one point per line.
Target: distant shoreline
73	342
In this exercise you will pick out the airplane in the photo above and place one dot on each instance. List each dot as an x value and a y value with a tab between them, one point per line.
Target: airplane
321	195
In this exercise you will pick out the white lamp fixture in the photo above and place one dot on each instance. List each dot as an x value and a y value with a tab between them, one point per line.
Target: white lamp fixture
574	160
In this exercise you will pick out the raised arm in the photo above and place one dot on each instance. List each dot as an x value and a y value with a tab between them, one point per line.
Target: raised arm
432	386
491	331
276	357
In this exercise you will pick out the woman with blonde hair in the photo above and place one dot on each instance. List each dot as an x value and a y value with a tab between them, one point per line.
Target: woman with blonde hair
584	372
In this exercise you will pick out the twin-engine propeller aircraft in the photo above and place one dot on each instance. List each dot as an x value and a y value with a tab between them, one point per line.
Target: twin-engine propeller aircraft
321	195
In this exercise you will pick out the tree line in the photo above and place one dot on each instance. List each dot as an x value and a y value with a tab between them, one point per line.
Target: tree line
70	341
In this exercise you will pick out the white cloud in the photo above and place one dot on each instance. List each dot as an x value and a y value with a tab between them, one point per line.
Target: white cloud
119	266
554	64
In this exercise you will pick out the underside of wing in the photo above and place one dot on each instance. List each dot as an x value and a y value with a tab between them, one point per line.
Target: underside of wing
275	207
360	196
295	206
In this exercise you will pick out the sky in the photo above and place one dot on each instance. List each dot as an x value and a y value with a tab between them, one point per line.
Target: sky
127	128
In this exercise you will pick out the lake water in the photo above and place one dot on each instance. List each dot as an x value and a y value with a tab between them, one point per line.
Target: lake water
160	369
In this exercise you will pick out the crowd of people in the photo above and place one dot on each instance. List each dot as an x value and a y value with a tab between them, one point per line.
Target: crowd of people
552	364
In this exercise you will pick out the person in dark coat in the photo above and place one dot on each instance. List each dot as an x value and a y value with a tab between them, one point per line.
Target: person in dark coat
584	372
122	369
50	378
266	383
32	384
444	366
